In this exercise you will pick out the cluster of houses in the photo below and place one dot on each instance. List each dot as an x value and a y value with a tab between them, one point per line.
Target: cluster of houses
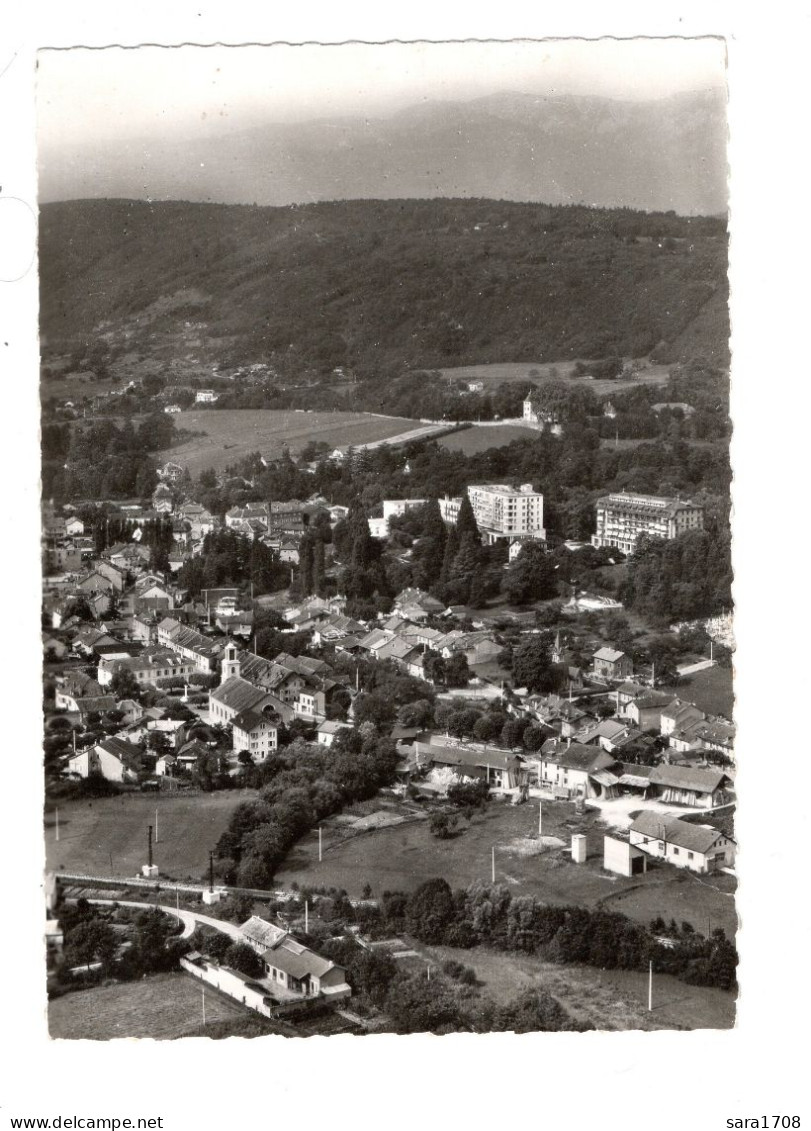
74	569
610	736
158	639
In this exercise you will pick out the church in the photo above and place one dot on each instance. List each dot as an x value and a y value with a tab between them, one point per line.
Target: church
236	695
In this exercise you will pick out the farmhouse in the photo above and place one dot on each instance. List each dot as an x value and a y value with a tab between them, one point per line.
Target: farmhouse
499	768
576	770
701	848
291	966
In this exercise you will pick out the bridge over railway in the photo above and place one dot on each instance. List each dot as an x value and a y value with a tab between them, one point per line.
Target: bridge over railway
81	879
158	885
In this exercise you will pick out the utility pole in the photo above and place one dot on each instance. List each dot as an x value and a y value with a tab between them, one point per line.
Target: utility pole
540	823
650	985
319	845
149	845
493	865
57	824
306	917
211	871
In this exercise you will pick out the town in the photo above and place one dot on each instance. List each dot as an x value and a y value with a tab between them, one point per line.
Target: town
274	716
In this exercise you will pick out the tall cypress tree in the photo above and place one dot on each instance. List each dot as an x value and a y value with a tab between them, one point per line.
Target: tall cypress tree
318	567
305	562
451	550
429	551
466	522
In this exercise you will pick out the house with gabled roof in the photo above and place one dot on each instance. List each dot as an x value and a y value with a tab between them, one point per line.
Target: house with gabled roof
373	641
329	730
699	847
570	769
609	734
501	769
291	966
611	663
415	605
334	627
645	709
113	758
256	733
148	669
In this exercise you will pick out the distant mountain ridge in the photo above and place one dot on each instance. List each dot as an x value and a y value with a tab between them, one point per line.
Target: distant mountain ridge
667	154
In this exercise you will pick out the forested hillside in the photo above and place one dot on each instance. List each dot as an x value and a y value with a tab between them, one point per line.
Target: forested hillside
376	286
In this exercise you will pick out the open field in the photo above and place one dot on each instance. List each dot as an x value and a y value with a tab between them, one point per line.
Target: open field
474	440
231	434
539	372
705	901
165	1007
402	857
609	999
90	832
711	690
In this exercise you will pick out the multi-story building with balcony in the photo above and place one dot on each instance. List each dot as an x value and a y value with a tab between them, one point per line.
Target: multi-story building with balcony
507	512
623	517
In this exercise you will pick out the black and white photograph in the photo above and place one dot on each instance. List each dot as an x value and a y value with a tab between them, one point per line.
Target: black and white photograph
387	622
404	627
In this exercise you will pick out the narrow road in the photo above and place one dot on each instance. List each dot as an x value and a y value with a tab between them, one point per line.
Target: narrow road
700	666
189	919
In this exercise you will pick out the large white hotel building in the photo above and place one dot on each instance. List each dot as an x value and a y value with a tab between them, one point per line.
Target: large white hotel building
507	512
623	517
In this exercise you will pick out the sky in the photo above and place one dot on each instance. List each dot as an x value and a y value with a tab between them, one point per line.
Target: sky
89	96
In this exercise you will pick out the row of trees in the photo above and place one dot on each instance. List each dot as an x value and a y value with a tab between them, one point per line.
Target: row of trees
304	784
102	459
486	914
683	579
230	559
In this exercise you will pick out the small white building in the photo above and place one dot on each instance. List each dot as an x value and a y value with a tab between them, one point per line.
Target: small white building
622	857
701	848
329	731
205	396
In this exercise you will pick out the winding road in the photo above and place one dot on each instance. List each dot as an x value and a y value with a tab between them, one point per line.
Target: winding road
189	919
